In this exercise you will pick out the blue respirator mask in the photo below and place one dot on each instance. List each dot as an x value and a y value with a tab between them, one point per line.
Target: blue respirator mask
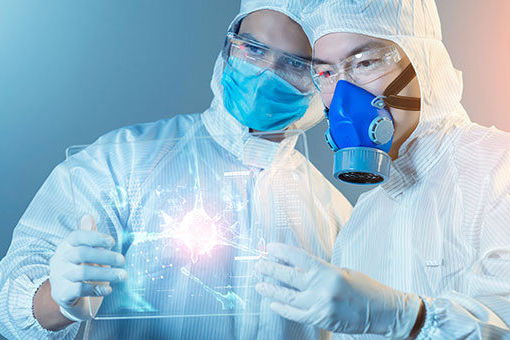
361	129
260	99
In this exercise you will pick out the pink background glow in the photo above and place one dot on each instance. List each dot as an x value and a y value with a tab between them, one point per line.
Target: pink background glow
477	35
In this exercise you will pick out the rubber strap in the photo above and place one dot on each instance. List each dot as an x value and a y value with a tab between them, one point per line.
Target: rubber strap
402	102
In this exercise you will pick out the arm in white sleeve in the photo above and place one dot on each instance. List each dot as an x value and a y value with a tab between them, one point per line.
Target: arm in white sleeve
50	217
483	311
458	316
99	172
47	220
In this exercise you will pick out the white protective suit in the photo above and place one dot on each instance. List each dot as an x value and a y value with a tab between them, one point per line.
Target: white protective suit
50	217
440	227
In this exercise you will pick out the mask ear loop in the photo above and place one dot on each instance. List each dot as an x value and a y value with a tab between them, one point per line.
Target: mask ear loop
392	99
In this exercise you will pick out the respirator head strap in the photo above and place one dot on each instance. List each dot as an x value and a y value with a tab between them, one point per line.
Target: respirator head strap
402	102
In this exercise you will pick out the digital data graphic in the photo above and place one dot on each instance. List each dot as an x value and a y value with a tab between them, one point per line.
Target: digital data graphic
191	219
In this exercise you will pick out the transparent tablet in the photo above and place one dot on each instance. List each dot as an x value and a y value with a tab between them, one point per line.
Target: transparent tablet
192	219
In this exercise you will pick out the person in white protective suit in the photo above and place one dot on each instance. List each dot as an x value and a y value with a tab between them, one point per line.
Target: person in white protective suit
43	281
426	254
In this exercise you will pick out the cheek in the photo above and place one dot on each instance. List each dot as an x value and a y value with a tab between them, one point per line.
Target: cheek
412	89
398	119
405	122
377	87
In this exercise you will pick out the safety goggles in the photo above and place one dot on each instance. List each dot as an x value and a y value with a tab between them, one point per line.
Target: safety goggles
359	69
293	69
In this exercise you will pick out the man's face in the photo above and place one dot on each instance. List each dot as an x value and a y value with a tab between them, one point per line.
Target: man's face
276	42
285	47
336	47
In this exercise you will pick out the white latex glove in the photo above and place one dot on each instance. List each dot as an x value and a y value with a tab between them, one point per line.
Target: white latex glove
80	271
335	299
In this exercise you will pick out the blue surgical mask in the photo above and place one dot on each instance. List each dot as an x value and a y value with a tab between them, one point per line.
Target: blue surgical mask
260	99
360	132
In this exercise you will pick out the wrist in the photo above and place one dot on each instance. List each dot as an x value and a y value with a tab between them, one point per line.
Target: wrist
46	311
420	321
403	316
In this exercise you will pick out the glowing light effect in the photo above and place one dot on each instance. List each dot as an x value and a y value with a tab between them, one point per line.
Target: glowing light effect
197	231
200	234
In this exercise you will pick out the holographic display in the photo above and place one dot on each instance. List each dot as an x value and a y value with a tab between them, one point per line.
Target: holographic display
192	219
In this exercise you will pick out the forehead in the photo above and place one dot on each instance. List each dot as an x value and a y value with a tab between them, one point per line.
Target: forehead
334	47
276	30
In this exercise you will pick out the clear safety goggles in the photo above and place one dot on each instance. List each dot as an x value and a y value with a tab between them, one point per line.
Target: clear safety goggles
359	69
293	69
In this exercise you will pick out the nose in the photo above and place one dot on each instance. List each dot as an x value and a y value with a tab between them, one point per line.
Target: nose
342	76
271	60
326	99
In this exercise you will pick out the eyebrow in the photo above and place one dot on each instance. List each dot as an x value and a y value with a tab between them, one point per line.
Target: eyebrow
362	48
252	37
367	46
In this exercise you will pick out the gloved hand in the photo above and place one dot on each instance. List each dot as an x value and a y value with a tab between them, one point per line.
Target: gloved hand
79	262
333	298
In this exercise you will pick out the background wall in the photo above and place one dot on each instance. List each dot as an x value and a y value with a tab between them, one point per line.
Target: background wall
71	71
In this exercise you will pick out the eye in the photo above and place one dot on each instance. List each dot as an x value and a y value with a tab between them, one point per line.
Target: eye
253	50
369	64
293	63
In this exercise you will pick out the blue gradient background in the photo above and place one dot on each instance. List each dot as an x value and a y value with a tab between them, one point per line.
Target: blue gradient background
71	71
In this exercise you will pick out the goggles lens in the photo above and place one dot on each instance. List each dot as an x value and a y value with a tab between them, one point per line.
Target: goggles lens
359	69
293	69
